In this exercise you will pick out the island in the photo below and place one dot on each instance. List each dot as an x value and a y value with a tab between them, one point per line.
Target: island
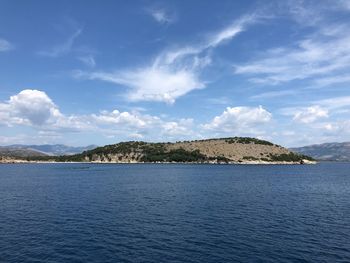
232	150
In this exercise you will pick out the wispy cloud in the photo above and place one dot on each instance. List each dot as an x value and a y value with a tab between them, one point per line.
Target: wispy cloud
212	41
273	94
232	30
328	81
174	72
335	102
315	56
322	58
306	13
5	45
88	60
153	83
63	48
162	16
218	101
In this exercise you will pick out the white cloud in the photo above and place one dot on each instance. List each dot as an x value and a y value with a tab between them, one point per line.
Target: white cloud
153	84
334	109
232	30
17	139
330	105
321	132
138	125
33	108
310	114
338	79
28	107
125	119
239	120
212	41
162	16
88	60
335	102
62	48
5	114
316	56
5	45
273	94
174	72
305	13
336	127
178	129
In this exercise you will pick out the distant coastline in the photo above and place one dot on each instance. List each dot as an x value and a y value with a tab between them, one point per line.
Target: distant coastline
232	150
199	163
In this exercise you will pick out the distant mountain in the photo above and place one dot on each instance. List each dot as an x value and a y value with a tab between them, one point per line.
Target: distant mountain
326	151
21	150
9	151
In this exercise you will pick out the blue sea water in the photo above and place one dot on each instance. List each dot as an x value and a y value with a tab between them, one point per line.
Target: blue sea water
174	213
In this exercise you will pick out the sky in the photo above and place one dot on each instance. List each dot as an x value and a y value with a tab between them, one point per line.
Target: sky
100	72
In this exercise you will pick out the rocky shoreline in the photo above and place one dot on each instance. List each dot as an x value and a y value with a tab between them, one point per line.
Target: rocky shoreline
17	161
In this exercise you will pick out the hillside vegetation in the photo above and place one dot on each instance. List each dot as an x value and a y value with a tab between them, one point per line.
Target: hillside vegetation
224	150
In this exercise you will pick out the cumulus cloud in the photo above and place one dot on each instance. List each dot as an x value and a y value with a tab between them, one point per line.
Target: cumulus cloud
320	121
318	109
174	72
325	131
310	114
5	45
178	129
29	106
125	119
239	119
138	125
34	108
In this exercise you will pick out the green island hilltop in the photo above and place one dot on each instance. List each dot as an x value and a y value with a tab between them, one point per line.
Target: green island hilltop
222	150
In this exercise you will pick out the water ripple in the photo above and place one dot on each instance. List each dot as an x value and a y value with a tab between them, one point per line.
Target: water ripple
174	213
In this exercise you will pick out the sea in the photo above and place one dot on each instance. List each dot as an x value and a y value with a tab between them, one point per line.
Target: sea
174	213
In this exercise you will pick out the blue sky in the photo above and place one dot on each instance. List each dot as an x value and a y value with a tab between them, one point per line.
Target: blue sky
92	72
